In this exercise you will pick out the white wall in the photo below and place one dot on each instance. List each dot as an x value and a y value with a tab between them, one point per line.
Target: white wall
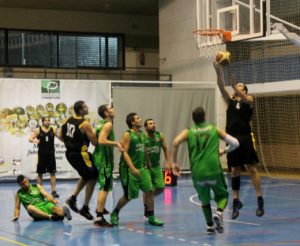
178	53
177	46
151	58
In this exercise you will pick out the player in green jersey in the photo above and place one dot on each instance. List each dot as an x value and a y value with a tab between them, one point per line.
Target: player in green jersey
203	147
134	172
104	160
154	142
38	203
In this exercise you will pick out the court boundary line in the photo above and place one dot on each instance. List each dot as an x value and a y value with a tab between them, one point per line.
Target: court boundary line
234	221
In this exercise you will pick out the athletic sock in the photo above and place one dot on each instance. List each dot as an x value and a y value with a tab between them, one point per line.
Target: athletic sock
236	183
100	215
207	213
116	210
150	213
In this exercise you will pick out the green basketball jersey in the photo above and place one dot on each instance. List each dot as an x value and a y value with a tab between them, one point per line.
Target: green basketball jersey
203	147
104	154
33	197
136	149
153	147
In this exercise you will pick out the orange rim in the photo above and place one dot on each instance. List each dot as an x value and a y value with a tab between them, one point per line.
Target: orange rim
208	32
226	35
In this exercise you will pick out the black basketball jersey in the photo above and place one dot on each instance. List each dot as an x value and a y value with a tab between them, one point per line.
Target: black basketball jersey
46	145
238	118
75	140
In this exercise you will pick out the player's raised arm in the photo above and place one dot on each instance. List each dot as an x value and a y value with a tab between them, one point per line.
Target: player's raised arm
221	82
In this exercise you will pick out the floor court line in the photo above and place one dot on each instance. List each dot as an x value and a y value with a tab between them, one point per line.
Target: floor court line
12	241
234	221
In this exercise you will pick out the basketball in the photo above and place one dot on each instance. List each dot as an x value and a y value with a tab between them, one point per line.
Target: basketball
223	58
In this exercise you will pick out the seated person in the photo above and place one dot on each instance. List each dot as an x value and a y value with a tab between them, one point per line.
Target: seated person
38	203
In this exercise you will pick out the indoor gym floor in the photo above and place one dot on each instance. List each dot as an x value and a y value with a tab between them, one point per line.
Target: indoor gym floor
178	206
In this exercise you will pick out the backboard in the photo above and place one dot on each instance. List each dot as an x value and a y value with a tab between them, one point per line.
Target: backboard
243	18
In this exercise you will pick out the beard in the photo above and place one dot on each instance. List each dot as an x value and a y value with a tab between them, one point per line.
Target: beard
151	131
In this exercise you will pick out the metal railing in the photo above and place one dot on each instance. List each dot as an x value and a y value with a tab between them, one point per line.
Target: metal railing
129	73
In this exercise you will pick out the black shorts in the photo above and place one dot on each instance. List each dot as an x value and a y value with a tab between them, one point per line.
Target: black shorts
244	154
82	162
46	163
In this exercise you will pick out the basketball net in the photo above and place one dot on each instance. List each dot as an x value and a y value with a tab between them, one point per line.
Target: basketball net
209	41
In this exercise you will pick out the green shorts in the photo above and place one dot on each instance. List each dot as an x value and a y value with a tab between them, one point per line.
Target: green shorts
46	207
157	178
105	177
132	184
215	183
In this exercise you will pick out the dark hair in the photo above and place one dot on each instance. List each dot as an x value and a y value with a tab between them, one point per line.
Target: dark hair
101	110
198	115
20	179
146	122
44	118
246	88
129	119
78	106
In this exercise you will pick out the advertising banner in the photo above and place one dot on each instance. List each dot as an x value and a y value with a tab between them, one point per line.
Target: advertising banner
23	102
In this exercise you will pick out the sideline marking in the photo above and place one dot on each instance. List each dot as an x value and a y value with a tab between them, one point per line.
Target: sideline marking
13	241
158	235
234	221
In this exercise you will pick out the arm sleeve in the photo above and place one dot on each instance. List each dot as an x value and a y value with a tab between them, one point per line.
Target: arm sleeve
232	142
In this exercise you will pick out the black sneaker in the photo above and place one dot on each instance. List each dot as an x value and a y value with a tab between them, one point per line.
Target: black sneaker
237	205
84	211
55	217
105	211
54	194
260	208
146	215
67	212
71	202
102	223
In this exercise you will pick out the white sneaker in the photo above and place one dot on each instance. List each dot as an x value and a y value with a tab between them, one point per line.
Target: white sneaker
67	212
210	230
218	219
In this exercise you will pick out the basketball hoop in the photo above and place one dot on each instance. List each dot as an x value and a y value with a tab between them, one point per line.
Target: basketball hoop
210	40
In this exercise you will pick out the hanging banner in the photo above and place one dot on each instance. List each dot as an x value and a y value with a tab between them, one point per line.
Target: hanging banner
23	102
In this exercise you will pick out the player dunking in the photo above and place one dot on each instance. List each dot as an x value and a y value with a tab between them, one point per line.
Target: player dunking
238	117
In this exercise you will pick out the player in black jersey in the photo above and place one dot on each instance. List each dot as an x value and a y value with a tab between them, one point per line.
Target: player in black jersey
77	133
44	138
238	117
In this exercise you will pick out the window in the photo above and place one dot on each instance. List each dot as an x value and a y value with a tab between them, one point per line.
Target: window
31	49
62	50
2	46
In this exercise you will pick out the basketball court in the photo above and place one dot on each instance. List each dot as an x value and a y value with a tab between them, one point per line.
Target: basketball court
262	44
181	211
